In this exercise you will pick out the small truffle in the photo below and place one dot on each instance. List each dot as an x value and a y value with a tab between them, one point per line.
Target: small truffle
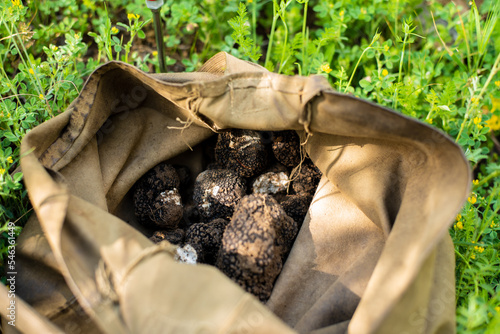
175	237
166	210
270	183
206	238
161	178
307	179
243	151
286	147
254	243
216	193
296	207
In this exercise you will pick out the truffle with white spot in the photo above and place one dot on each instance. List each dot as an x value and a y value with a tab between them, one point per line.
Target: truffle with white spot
206	238
216	193
243	151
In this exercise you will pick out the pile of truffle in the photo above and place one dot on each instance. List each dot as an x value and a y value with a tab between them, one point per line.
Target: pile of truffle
241	214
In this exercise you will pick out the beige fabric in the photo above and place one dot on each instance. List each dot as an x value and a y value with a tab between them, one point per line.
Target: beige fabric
373	254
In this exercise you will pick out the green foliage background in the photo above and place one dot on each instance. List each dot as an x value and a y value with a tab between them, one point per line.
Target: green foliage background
435	61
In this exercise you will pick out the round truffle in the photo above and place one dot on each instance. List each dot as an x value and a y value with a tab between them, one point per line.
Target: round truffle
161	178
243	151
175	237
206	238
286	147
216	193
254	242
307	179
296	207
166	210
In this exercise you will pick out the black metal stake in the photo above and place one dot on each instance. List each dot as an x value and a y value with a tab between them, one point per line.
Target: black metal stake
159	39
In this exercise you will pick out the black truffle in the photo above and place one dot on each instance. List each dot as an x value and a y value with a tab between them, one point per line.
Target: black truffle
243	151
286	147
307	179
296	207
161	178
175	237
166	210
254	244
216	193
206	238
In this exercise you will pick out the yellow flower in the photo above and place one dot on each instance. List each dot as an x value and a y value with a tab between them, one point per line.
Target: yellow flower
250	1
2	170
9	160
472	199
17	3
131	16
473	256
326	68
114	30
497	308
494	123
460	225
155	53
54	48
497	83
479	249
492	225
495	104
341	13
475	182
477	120
31	71
40	96
363	11
386	48
459	216
385	72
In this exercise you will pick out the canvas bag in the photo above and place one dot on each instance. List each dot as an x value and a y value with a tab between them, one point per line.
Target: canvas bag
373	254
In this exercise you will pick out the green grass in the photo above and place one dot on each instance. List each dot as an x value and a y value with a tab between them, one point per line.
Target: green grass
436	63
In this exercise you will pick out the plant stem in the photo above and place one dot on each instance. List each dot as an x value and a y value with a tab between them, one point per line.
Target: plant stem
271	37
304	39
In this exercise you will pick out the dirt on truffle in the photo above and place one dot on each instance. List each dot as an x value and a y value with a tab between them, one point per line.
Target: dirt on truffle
307	179
206	238
175	237
286	147
243	151
217	192
254	242
163	177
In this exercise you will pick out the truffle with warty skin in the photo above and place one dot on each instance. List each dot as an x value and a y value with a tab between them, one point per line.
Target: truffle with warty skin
175	237
254	244
161	178
306	178
243	151
166	210
286	147
296	207
206	238
216	193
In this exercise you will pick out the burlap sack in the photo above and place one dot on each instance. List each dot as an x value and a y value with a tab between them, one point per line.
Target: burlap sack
373	254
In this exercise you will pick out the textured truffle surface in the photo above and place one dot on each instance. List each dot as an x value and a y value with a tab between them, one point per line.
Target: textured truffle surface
206	238
161	178
243	151
175	237
307	179
254	243
286	147
296	207
216	193
166	210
